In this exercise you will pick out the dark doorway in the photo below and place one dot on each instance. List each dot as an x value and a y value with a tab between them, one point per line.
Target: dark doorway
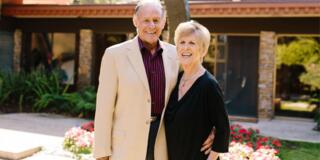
242	75
103	41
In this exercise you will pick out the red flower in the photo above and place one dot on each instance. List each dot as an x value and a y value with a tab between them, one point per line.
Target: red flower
243	131
252	138
276	143
89	126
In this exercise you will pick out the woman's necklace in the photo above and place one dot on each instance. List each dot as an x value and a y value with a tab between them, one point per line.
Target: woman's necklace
186	82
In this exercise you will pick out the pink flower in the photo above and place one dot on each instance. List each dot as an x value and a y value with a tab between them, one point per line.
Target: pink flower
78	140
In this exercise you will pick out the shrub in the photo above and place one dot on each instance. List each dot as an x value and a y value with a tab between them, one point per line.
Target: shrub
84	102
48	90
37	88
13	88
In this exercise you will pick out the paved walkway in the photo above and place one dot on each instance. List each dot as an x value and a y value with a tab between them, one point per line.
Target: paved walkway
295	129
28	130
48	130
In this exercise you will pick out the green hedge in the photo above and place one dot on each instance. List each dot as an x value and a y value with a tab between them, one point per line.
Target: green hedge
43	91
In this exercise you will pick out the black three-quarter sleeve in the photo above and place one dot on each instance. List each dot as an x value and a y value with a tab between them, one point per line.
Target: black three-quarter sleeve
218	117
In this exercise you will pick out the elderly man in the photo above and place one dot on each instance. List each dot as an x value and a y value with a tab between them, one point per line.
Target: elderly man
136	79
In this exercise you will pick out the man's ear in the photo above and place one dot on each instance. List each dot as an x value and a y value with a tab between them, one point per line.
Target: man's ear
134	20
164	20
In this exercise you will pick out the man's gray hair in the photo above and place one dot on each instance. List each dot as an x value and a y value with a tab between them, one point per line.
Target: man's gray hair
141	3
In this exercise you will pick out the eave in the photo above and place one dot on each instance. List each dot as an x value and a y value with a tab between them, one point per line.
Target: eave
197	10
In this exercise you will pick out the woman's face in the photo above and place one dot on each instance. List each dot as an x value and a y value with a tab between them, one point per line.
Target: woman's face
189	50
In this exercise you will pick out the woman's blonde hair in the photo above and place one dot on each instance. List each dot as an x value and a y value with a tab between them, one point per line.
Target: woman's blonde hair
193	28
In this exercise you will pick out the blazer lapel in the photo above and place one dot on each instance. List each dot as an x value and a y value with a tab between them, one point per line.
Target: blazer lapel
136	61
167	64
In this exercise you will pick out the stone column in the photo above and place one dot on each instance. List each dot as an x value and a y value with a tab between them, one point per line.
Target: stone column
17	45
266	82
85	58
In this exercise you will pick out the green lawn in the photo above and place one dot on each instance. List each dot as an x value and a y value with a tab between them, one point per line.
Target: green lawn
299	151
298	106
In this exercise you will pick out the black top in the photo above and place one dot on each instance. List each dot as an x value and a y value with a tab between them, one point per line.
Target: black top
190	120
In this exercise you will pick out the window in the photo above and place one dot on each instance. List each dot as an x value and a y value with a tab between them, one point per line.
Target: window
54	51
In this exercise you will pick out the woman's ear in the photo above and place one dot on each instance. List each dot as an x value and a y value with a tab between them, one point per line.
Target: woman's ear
204	52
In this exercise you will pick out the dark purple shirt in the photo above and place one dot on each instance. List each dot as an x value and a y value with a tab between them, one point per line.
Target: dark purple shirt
153	65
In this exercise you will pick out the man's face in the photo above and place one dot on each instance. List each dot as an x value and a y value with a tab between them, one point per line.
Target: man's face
149	22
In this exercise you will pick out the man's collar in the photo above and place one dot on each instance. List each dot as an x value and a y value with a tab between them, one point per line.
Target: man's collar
143	48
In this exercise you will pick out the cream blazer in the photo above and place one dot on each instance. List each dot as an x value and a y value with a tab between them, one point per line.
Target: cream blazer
123	107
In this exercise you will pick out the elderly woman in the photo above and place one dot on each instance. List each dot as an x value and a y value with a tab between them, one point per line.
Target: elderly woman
196	104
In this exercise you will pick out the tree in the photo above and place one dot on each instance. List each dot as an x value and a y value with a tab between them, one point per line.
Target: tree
177	11
312	76
305	52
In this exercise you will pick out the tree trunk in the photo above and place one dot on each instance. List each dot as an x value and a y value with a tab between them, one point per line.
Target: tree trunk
177	11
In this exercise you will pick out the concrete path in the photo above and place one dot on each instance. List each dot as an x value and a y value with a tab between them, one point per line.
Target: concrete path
295	129
23	130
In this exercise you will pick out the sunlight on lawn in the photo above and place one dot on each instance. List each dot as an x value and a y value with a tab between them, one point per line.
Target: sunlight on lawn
297	106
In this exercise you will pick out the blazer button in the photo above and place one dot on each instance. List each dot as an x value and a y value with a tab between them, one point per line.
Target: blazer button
149	100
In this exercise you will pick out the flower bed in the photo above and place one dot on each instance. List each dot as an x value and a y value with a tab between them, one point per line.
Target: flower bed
246	144
252	138
238	151
79	140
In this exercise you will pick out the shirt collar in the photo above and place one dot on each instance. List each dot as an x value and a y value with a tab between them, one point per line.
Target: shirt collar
143	48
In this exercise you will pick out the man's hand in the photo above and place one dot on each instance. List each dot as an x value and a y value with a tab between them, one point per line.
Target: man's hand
206	146
213	155
103	158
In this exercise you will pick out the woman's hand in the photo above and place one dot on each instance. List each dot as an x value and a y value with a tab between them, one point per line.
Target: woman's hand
213	155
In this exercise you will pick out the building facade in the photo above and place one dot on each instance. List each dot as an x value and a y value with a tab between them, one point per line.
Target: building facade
241	55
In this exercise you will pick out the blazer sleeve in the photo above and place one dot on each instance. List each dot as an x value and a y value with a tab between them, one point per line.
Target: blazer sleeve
218	117
105	104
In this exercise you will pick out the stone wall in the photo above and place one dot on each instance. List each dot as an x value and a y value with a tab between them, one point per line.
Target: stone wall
85	58
266	79
17	46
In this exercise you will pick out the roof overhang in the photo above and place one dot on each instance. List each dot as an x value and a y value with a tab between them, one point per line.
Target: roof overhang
223	10
197	10
69	11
